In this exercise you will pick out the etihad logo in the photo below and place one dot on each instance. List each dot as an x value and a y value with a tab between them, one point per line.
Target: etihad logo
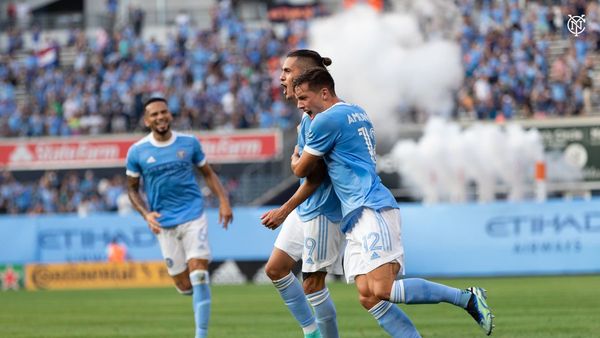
542	225
151	159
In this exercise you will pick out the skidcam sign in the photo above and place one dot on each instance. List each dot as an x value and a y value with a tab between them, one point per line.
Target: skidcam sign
106	152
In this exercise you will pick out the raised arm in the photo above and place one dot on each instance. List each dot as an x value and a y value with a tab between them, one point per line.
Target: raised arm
272	219
133	191
214	184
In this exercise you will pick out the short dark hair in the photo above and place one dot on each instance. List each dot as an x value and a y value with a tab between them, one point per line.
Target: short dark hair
316	78
312	56
154	99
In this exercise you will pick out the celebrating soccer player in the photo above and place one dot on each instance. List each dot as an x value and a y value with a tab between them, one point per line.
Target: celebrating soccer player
310	231
342	135
167	162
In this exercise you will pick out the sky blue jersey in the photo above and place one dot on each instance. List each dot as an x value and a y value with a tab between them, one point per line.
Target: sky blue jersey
344	136
168	170
323	201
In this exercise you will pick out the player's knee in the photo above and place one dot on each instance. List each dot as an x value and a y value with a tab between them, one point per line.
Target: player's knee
366	298
380	291
275	271
368	301
313	282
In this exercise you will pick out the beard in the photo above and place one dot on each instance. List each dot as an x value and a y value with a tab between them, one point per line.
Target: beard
162	130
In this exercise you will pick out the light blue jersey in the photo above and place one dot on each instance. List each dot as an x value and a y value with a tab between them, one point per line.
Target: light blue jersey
343	135
323	201
168	169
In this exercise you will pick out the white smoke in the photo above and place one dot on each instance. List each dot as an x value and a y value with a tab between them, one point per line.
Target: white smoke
390	65
395	64
442	165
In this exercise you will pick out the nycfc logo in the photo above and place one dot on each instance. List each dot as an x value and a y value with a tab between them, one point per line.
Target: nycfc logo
576	24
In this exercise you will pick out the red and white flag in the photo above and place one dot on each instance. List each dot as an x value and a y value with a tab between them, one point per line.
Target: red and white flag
47	56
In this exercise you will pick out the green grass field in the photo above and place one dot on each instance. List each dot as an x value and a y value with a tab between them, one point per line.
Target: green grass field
524	307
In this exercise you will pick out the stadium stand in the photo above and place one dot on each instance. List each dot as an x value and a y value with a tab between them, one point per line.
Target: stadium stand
219	79
519	62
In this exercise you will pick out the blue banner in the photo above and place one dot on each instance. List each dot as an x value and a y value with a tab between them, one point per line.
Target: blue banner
502	238
68	238
441	240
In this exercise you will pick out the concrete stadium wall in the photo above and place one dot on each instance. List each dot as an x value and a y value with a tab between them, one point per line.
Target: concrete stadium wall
558	237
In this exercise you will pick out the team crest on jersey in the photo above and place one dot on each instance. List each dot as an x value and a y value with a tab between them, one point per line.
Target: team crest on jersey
181	154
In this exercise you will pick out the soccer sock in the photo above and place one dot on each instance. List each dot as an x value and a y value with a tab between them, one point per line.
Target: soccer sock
393	320
291	292
324	313
201	301
421	291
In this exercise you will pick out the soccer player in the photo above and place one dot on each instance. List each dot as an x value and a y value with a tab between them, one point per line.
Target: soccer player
311	229
167	161
342	135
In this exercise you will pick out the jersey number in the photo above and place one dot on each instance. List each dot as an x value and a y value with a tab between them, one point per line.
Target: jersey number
369	143
370	242
310	244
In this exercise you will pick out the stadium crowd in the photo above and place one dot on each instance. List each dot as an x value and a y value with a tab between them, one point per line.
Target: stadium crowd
223	78
227	78
75	192
71	193
510	69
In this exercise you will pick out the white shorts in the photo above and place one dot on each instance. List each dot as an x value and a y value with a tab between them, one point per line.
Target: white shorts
319	242
183	242
375	239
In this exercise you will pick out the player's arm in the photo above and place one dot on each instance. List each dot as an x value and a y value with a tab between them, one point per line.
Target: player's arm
133	191
303	165
273	218
214	184
320	139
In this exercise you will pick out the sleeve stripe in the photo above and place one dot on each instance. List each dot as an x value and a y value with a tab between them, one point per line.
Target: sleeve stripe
313	151
132	173
201	163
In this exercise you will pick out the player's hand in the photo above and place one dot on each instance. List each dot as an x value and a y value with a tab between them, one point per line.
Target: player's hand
225	215
152	222
272	219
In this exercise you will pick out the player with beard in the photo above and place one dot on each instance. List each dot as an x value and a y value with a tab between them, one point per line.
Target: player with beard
167	161
310	231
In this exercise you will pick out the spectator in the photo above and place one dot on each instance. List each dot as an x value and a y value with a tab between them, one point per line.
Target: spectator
136	19
112	6
11	14
116	251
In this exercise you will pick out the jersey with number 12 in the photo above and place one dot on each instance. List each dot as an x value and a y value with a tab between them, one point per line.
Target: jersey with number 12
344	136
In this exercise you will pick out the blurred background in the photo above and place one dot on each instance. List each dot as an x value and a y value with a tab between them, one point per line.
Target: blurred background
487	116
